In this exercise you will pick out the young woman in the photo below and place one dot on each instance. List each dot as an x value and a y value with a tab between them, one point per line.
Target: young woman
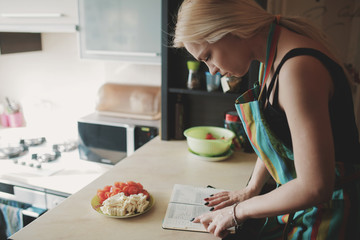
299	119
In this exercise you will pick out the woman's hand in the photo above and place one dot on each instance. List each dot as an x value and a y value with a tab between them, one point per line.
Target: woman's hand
223	199
228	198
218	222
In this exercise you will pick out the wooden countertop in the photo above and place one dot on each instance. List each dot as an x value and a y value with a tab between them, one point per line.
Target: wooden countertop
158	165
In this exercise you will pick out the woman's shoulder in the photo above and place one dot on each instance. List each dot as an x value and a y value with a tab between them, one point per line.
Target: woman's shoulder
294	44
304	62
306	59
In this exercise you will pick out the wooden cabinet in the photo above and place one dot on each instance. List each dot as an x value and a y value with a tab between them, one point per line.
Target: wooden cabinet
121	30
200	107
38	15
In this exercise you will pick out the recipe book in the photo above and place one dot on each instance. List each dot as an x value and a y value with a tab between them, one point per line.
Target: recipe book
186	203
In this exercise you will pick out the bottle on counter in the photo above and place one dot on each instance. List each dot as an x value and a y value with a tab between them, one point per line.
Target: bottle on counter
193	78
233	123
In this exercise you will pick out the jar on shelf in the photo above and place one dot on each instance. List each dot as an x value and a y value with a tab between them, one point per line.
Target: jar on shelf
193	81
231	84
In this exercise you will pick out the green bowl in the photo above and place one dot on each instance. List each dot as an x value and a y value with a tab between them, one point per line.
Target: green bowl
197	142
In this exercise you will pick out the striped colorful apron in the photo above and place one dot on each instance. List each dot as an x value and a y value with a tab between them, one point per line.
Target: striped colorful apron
330	220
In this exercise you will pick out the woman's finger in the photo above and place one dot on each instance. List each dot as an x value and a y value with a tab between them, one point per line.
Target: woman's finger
223	204
216	195
196	220
211	228
217	200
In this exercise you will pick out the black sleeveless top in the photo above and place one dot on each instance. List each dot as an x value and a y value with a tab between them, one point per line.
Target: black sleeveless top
345	132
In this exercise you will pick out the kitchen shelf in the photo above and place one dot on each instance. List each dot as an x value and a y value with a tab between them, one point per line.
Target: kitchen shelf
200	107
202	92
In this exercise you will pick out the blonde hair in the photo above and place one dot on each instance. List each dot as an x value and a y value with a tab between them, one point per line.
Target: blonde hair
210	20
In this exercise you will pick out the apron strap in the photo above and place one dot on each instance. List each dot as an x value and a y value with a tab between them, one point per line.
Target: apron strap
272	41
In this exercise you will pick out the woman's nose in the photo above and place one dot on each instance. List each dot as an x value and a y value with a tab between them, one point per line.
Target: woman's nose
213	69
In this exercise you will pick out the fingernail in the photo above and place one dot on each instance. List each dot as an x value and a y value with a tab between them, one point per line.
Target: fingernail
211	209
207	203
206	199
211	195
192	219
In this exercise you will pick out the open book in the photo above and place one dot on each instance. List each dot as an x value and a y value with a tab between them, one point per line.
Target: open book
186	203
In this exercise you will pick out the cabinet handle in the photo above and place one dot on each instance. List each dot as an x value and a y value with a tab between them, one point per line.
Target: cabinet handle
115	53
31	15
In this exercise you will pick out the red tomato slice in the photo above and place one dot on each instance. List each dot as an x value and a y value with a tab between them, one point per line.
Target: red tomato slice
125	190
133	190
140	187
101	196
116	190
128	188
131	183
107	194
122	185
209	136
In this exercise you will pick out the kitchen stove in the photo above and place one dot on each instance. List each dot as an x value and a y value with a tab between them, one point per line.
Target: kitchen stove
37	173
34	156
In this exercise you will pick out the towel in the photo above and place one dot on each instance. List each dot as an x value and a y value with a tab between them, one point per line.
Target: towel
3	235
11	216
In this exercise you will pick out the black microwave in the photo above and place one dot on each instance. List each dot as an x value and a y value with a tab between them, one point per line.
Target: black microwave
108	139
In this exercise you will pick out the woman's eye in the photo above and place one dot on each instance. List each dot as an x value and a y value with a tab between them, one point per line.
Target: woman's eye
207	59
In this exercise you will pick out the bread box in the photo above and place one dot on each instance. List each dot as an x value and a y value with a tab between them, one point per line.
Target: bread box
129	101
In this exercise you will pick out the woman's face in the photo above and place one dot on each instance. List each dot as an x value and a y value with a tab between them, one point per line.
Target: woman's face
231	56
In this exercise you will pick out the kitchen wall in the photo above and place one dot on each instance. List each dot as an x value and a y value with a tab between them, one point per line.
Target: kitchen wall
55	87
340	20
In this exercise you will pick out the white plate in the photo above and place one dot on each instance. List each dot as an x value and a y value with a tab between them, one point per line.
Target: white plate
212	159
95	203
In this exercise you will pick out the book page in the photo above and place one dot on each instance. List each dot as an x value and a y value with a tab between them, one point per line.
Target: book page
178	216
186	194
186	203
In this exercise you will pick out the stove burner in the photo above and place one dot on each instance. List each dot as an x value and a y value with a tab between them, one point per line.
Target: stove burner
46	157
13	151
66	146
33	141
38	159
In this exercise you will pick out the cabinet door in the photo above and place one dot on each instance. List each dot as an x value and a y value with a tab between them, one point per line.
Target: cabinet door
121	30
32	15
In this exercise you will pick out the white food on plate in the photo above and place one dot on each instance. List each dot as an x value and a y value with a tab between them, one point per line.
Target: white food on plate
122	205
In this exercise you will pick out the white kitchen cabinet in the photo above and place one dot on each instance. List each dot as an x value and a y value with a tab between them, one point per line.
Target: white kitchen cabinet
38	15
121	30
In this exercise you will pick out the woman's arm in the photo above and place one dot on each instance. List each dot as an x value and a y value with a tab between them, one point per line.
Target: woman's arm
258	179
